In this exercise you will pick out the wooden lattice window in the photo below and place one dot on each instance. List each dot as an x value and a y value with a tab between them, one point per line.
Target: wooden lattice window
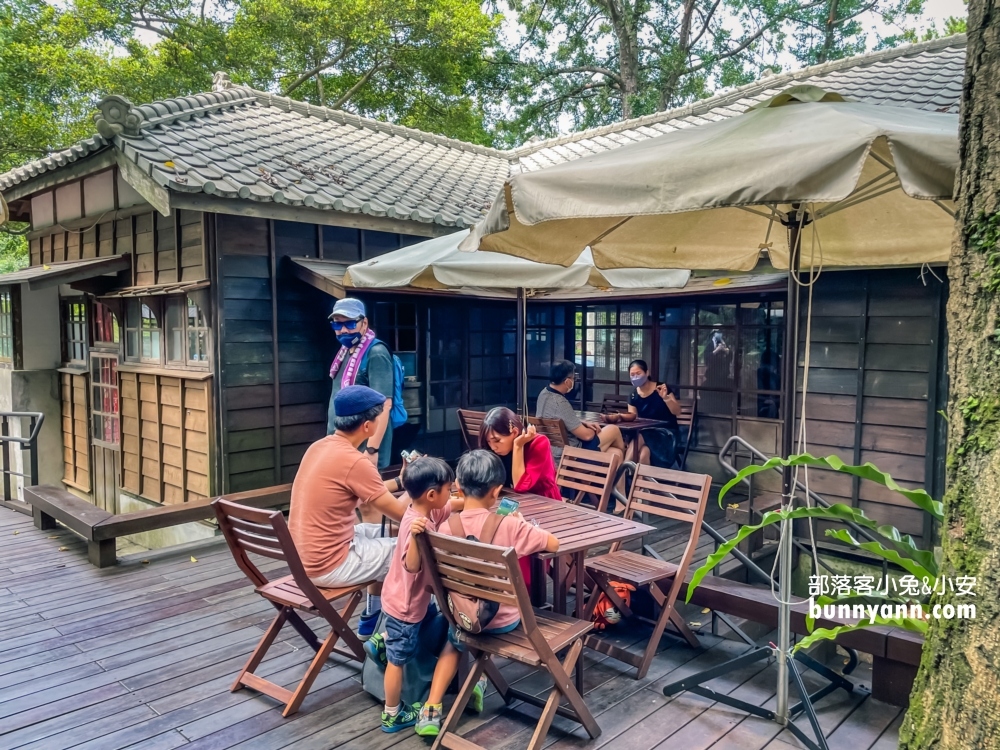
7	342
142	333
75	332
104	395
106	329
76	445
187	333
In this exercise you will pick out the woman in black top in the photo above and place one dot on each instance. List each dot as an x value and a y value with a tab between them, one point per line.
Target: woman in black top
653	400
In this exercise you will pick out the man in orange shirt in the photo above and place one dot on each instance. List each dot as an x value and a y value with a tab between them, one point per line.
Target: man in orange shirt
333	481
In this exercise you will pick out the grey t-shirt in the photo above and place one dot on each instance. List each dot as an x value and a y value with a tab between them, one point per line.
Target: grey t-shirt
377	372
554	405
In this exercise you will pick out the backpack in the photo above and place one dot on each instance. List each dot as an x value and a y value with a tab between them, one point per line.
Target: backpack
605	612
397	415
473	615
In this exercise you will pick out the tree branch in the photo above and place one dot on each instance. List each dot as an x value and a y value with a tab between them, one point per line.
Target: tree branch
316	71
356	87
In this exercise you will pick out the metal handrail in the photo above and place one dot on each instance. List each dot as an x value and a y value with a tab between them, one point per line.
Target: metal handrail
818	499
27	444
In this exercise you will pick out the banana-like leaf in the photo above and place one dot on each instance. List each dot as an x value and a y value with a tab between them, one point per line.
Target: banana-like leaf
907	564
823	634
866	471
838	512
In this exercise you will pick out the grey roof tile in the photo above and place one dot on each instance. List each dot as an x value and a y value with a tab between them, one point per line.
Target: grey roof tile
242	143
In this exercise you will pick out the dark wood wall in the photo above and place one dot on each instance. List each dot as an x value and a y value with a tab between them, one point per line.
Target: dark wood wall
875	387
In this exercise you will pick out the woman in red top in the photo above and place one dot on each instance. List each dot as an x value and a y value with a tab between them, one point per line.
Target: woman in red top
526	457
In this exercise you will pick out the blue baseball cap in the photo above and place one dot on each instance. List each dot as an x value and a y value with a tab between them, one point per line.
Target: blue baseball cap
349	308
355	399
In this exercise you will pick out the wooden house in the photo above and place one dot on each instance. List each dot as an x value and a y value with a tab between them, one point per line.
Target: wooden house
172	321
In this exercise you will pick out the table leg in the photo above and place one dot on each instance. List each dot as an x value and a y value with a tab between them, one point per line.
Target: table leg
559	584
581	579
538	587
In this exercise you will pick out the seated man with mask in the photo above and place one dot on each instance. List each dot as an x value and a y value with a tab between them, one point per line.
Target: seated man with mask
553	404
333	481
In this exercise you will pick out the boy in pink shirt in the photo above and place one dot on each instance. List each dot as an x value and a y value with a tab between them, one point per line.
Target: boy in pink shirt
405	598
480	478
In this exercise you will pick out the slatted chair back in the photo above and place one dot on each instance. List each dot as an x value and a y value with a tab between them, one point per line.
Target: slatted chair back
677	495
614	402
482	571
586	472
553	429
265	532
471	422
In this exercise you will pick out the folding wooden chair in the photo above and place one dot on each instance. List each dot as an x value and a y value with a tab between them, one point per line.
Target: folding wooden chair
676	495
493	574
588	473
687	421
264	532
471	422
553	429
614	402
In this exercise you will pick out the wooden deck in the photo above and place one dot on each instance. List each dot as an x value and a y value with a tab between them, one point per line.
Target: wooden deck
142	656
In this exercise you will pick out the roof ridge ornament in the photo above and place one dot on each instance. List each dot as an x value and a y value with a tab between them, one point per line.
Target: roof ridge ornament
221	81
116	116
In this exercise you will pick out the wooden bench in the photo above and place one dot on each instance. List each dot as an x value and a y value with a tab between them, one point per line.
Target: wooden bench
100	528
895	652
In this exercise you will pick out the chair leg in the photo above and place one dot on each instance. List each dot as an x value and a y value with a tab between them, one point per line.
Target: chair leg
311	674
661	624
660	596
499	681
265	643
461	700
349	637
304	630
564	687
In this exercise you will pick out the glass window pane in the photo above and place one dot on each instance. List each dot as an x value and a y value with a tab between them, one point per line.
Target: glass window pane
197	346
175	331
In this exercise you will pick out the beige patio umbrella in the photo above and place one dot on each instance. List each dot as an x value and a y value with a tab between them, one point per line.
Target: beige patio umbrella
876	182
856	184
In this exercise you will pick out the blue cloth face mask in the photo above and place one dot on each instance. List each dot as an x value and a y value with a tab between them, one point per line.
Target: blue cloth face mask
639	380
348	339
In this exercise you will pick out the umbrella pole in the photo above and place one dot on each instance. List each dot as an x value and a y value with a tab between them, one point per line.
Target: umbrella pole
790	374
783	714
521	368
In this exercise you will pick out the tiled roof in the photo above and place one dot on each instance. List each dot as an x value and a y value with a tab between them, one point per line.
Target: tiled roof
923	76
236	142
242	143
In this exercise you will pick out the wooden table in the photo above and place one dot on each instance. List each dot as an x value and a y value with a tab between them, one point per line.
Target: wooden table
630	430
578	530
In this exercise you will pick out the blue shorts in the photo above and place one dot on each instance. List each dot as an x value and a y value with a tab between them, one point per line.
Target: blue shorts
460	647
402	639
594	444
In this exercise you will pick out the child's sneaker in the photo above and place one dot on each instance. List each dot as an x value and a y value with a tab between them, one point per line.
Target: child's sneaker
429	723
478	693
375	648
405	717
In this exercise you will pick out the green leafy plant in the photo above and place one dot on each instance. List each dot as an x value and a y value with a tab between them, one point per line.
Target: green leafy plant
892	546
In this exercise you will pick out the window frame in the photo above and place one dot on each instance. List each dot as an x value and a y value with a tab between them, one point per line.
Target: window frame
98	386
10	326
67	343
160	308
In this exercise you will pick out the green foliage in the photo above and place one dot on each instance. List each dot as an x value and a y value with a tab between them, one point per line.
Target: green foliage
894	547
981	416
13	252
866	471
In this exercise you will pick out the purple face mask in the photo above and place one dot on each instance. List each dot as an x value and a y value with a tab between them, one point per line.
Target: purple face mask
638	380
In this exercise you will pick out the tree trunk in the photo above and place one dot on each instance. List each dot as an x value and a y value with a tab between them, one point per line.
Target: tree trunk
956	698
624	22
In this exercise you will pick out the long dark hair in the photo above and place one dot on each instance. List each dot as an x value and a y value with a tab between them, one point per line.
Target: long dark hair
502	421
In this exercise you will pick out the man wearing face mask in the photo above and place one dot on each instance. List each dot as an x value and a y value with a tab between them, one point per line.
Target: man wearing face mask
553	403
362	360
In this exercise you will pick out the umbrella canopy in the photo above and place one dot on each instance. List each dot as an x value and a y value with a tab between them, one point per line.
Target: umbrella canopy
439	264
876	181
